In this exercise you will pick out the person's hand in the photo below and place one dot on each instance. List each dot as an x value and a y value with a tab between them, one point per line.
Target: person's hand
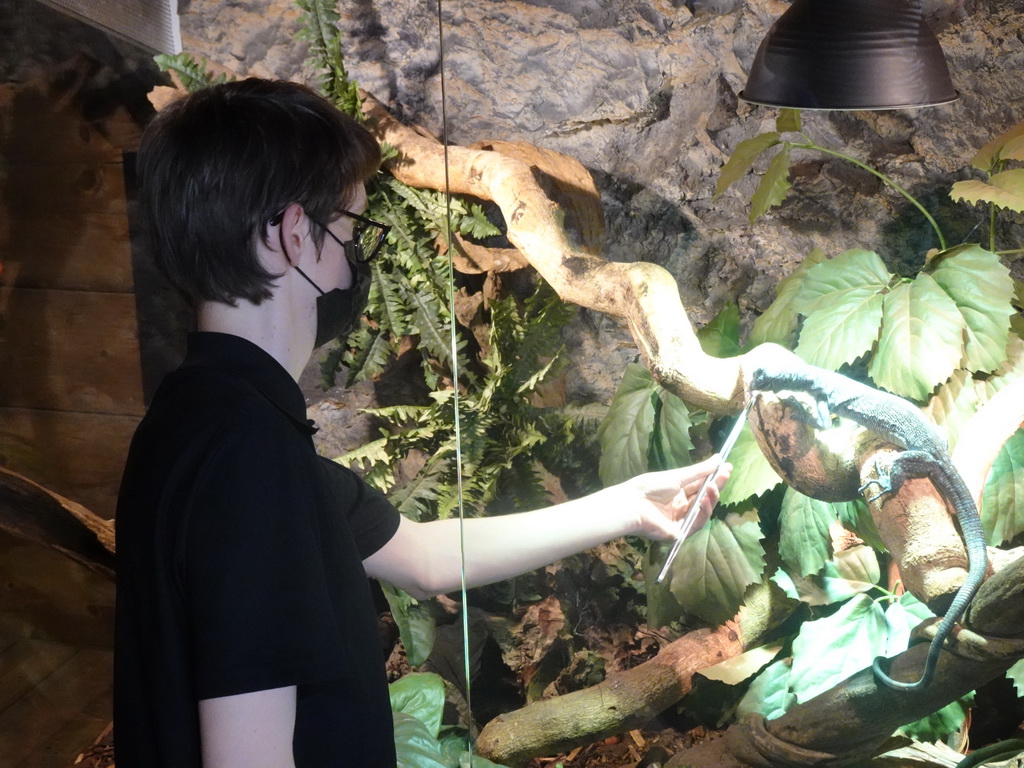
660	499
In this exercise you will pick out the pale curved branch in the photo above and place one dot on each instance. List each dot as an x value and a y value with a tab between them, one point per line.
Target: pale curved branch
643	294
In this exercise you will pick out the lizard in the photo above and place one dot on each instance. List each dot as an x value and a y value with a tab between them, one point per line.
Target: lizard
924	455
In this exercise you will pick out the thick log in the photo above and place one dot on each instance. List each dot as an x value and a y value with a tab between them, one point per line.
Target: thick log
849	723
631	698
30	512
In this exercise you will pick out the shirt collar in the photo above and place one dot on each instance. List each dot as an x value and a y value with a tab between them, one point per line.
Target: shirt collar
245	360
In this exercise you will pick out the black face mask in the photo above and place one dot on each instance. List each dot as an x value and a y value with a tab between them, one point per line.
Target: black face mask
338	311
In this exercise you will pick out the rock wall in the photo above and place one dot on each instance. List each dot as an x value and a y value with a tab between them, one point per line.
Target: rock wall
644	93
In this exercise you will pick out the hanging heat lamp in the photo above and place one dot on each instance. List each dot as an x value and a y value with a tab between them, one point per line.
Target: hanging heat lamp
850	54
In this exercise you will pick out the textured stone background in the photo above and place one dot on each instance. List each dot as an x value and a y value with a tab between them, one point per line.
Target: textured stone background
644	93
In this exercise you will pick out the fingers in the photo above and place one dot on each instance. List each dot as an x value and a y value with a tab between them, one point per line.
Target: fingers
683	498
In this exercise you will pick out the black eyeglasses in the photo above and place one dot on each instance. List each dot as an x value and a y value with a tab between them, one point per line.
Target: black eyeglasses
368	236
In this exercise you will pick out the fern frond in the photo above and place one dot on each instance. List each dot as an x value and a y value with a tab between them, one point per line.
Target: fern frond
193	75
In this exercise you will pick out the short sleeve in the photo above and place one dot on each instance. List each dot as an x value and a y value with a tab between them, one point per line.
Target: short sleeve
372	519
256	591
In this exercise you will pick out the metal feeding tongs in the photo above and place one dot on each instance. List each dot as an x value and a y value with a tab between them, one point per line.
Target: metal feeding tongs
694	511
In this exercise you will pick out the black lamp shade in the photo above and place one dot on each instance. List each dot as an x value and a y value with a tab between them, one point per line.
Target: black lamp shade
850	54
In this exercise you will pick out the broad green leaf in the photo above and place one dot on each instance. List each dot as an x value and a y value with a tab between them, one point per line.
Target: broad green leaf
625	433
1013	367
842	301
735	670
1003	190
837	334
752	474
415	747
1002	510
829	280
982	288
953	404
858	566
420	695
716	565
662	606
1016	674
788	121
777	323
416	624
855	516
721	337
901	616
769	695
671	444
852	572
1013	149
990	155
743	157
922	339
829	650
774	185
454	746
938	725
804	542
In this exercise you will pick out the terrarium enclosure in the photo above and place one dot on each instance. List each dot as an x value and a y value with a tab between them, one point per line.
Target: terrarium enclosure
621	242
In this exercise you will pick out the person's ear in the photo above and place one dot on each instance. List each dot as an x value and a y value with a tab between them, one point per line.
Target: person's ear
294	229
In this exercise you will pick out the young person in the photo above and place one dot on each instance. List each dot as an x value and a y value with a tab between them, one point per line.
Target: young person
246	633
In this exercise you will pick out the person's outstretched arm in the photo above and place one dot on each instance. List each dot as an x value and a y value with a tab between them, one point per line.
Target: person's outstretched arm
424	558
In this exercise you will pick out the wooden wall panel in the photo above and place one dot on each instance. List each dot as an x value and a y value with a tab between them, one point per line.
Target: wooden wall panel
85	252
71	351
78	455
70	373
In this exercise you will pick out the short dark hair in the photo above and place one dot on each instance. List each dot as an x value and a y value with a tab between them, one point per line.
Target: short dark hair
217	165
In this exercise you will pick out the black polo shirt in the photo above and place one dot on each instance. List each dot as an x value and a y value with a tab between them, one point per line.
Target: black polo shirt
239	568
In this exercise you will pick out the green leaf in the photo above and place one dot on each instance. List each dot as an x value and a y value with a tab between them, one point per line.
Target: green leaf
420	695
743	158
1016	674
855	516
1003	190
1002	514
416	624
829	279
716	565
778	323
829	650
954	403
982	289
671	444
938	725
788	121
625	433
773	187
193	74
415	747
454	746
804	543
922	339
842	300
753	476
721	337
990	156
852	572
769	695
900	619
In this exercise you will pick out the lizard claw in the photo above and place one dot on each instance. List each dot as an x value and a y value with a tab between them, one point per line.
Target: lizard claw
883	481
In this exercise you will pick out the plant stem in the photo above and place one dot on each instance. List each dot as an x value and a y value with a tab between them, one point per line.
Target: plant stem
913	200
992	227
